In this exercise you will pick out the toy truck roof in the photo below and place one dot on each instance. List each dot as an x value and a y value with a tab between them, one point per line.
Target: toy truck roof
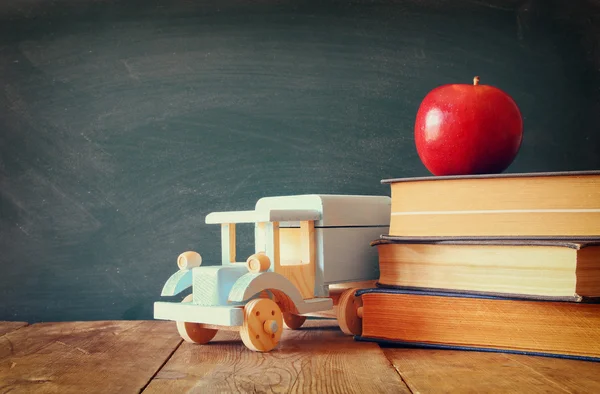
327	210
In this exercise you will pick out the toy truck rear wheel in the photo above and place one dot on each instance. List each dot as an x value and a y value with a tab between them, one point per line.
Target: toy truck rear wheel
194	332
349	312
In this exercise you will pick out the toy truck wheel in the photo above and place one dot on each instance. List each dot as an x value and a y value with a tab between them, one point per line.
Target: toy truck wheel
349	313
194	332
263	325
292	321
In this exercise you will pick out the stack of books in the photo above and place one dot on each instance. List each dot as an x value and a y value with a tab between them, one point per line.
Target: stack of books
506	262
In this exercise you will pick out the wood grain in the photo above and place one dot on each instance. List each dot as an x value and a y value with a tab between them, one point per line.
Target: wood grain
318	358
8	326
443	371
107	357
125	356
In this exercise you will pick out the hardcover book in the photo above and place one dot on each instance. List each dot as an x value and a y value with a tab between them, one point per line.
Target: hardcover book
480	322
554	269
555	204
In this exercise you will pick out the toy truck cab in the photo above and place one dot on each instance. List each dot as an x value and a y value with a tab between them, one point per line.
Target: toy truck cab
302	245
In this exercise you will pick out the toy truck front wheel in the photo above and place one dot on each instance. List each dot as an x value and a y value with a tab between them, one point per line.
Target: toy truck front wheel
260	331
194	332
263	325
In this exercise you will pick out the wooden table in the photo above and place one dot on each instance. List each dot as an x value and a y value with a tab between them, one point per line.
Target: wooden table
149	357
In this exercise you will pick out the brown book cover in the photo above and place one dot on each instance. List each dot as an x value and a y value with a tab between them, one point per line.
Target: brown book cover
449	320
543	269
538	205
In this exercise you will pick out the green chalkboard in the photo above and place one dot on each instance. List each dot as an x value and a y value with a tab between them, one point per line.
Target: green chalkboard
123	123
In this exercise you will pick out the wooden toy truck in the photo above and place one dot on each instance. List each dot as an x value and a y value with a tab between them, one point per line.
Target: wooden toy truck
303	244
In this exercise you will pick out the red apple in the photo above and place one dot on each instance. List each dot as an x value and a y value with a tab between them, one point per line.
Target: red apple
464	129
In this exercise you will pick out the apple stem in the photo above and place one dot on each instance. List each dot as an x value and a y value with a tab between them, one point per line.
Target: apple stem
476	81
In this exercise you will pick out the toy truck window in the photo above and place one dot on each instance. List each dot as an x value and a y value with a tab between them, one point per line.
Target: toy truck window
244	241
267	233
295	244
232	235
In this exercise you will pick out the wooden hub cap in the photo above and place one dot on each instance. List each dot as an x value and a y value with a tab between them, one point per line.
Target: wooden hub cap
262	322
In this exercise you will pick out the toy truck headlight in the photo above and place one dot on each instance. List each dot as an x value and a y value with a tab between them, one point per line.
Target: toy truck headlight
188	260
258	262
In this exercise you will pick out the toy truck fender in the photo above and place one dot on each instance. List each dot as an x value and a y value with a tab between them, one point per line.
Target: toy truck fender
287	295
177	283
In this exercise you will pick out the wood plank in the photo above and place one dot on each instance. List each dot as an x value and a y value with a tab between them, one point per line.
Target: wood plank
107	357
8	326
317	358
449	371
